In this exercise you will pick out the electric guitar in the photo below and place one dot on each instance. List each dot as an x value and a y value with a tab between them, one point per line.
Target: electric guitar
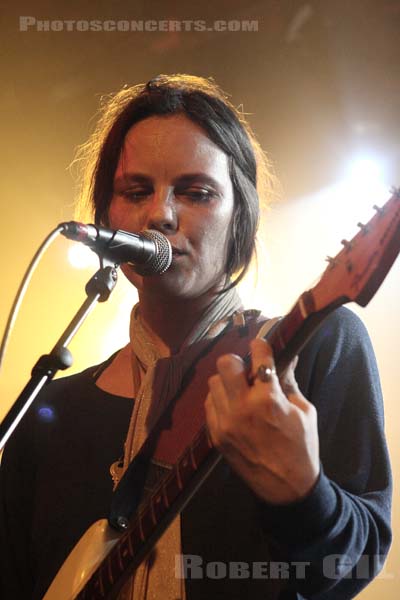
104	558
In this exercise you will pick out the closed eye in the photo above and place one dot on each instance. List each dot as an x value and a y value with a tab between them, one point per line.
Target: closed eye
135	195
196	194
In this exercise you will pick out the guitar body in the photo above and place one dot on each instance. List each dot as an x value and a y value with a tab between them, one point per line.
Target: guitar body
87	555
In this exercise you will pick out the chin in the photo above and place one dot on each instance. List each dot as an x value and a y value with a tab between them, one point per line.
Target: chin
174	283
170	283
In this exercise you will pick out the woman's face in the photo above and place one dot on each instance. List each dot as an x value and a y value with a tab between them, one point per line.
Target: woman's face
171	177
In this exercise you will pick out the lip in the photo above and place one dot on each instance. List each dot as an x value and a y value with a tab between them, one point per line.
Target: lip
177	252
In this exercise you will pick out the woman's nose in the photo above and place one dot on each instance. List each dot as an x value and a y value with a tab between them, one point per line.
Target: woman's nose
162	213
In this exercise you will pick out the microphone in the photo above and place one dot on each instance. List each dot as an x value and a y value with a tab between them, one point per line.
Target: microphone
149	252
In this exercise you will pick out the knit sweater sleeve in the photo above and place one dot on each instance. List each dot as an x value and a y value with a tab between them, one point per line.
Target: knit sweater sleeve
340	534
16	574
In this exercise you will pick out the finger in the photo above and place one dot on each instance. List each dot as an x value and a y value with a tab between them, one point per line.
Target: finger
218	394
268	393
291	389
301	402
287	379
232	372
261	355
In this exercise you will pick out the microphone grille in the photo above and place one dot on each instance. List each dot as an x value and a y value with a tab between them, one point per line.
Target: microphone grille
161	261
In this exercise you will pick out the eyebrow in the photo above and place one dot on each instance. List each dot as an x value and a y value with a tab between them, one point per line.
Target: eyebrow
182	180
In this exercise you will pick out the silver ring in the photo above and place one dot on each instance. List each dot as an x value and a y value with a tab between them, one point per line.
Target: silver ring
265	374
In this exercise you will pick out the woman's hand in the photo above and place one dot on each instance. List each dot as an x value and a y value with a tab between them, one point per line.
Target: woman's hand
266	431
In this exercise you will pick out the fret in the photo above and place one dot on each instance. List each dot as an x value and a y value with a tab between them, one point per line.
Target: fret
126	549
103	580
158	506
172	487
145	523
140	528
285	330
130	538
178	476
291	324
201	446
104	583
185	469
278	336
276	341
152	511
164	493
192	458
119	558
114	565
98	587
110	570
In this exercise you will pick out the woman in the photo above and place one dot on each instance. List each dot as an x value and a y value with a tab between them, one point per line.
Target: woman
297	508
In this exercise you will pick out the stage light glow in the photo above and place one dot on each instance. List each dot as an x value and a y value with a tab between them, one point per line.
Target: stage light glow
365	169
117	334
365	177
81	257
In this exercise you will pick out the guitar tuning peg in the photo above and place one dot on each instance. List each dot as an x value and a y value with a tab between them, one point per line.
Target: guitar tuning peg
331	261
346	244
378	209
364	228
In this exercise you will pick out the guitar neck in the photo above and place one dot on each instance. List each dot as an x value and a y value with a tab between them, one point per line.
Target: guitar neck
177	487
293	331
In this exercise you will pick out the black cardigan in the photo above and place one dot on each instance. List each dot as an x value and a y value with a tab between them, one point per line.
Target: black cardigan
55	482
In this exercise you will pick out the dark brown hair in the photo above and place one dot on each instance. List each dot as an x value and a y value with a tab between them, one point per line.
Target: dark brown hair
202	101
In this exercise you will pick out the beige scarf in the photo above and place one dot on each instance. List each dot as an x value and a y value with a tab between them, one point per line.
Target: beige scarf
157	578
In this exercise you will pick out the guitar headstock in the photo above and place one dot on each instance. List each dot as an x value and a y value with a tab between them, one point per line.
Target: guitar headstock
357	271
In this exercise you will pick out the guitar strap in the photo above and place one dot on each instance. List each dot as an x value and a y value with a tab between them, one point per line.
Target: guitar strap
184	416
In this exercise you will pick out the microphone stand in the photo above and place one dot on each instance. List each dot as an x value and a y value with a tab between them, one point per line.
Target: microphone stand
98	289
